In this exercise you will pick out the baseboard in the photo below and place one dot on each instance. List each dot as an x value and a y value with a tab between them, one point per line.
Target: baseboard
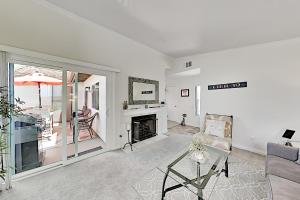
261	152
188	124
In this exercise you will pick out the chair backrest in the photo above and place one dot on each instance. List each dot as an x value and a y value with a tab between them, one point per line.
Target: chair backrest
91	119
86	112
228	125
84	108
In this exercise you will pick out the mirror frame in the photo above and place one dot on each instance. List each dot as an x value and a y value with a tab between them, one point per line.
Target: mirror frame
141	80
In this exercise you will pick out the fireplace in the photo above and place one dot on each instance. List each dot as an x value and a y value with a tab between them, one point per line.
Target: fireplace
143	127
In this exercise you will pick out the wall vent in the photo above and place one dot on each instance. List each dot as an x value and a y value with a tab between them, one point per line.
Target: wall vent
188	64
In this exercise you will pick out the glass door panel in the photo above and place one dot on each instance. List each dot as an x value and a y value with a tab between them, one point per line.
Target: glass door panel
36	134
86	99
72	114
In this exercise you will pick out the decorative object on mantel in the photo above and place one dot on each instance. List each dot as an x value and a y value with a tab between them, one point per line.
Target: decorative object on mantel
183	120
146	106
143	91
185	93
128	128
125	105
227	86
198	151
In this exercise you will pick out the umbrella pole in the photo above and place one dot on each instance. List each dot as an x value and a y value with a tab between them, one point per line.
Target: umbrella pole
40	100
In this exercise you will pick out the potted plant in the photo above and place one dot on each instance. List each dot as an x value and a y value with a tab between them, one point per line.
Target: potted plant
198	151
7	110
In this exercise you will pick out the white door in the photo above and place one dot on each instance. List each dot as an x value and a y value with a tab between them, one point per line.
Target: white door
172	96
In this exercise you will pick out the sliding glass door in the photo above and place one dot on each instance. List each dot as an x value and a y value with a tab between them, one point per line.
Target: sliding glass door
72	115
86	121
63	116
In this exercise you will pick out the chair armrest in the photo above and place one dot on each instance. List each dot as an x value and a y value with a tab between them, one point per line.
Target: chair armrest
289	153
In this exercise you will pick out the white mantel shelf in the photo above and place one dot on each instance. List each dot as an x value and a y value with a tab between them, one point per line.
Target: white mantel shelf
142	111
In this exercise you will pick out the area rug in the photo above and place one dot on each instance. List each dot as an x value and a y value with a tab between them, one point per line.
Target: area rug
186	130
171	124
246	182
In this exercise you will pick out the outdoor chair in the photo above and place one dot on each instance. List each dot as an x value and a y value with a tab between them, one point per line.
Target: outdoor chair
84	113
87	124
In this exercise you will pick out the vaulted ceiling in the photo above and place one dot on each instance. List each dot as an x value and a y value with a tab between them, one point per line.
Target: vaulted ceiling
183	27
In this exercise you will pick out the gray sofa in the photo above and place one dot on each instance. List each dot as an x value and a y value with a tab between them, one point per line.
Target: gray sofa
283	172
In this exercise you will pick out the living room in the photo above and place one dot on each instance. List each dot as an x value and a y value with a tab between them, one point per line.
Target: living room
227	70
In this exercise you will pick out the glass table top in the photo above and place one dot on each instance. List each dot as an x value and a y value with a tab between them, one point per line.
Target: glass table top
199	178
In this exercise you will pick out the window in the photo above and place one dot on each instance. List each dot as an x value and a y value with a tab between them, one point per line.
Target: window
86	96
95	96
197	100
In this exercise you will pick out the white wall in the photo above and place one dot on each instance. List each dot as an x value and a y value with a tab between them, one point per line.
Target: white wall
30	95
268	105
81	93
100	122
178	105
36	25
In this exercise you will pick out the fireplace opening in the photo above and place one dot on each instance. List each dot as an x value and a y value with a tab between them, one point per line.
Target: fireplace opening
143	127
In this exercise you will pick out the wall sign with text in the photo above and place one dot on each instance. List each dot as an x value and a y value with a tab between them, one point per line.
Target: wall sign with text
227	86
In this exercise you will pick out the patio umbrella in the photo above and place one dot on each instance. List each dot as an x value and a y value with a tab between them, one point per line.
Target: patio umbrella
37	79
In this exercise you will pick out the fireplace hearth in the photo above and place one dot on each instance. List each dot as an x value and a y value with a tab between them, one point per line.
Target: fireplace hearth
143	127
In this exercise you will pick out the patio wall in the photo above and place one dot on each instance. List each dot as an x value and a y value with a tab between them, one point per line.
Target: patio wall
100	122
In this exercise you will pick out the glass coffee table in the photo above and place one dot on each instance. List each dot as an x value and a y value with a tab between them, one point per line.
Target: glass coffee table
199	178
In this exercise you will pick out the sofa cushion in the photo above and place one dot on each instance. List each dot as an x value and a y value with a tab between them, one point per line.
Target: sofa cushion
283	168
283	189
282	151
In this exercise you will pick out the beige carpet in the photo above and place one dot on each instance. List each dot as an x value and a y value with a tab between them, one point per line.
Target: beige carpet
187	130
246	181
109	176
171	124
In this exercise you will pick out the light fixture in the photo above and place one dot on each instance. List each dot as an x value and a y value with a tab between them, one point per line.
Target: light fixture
88	89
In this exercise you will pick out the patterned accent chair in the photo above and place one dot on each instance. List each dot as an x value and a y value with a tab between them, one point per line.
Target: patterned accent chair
217	132
216	140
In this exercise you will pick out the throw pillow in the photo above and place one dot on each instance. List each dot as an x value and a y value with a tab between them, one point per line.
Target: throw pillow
215	127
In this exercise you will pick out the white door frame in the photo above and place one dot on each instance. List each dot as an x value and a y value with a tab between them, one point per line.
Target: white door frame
20	56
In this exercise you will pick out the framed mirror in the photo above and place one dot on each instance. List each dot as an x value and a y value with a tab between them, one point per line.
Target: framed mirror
143	91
